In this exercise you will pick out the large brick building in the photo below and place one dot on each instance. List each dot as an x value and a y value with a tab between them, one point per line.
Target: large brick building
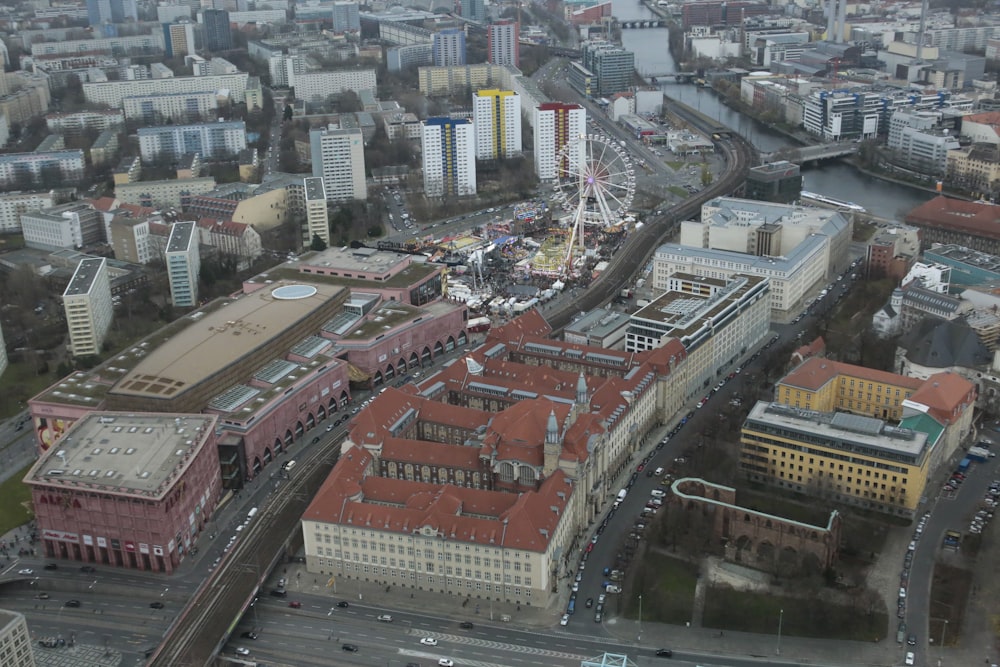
971	224
127	490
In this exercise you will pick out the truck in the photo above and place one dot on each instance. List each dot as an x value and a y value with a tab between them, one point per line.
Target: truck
978	454
622	494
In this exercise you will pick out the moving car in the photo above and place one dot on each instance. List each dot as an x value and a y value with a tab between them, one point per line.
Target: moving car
385	618
72	603
465	625
664	653
295	604
910	658
428	641
350	648
156	604
26	571
242	651
249	634
446	662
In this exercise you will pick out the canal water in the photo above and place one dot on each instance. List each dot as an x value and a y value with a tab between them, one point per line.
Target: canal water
833	179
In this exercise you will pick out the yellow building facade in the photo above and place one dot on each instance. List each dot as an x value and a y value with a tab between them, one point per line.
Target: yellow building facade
826	386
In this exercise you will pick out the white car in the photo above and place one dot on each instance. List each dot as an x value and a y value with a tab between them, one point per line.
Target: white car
902	593
446	662
242	651
910	658
26	571
564	620
429	641
385	618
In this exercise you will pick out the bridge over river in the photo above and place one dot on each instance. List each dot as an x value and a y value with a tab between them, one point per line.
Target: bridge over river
802	154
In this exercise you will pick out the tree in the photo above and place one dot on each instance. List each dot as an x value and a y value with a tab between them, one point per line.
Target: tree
317	244
287	113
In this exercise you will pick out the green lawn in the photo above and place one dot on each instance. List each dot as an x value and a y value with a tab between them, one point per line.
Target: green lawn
15	502
728	609
667	588
675	164
679	191
19	383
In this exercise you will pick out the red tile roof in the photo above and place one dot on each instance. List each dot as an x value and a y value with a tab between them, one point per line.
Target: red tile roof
432	453
352	497
815	372
227	227
970	217
104	204
985	118
518	433
946	395
530	323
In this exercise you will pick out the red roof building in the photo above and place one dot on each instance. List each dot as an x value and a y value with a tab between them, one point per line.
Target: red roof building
970	224
503	456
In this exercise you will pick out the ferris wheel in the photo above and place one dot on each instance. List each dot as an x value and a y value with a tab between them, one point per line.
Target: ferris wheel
596	186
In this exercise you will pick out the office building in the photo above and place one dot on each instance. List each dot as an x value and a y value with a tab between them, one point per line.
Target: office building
967	267
209	140
127	490
612	66
716	320
777	182
183	264
317	216
449	157
975	169
766	229
448	47
88	307
918	143
100	12
856	435
15	642
218	32
74	225
338	157
557	125
346	17
474	10
502	43
178	38
496	116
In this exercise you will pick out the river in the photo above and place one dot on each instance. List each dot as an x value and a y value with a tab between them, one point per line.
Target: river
833	179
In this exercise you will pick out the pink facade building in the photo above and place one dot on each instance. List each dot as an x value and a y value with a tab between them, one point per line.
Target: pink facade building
127	490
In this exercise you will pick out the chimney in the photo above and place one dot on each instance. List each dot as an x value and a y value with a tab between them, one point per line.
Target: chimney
831	20
842	21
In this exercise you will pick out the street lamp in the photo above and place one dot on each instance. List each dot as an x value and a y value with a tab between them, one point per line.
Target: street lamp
781	616
639	637
943	628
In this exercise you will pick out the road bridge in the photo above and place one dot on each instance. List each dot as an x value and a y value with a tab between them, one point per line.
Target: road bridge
803	154
638	25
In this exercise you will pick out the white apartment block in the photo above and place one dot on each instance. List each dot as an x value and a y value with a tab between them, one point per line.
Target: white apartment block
209	140
70	164
496	115
317	86
338	157
76	123
285	67
15	641
448	151
557	126
119	46
183	264
113	93
160	107
317	217
88	307
13	205
170	13
162	194
259	16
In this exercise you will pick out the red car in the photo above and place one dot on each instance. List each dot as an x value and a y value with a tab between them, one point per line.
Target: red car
295	604
640	467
